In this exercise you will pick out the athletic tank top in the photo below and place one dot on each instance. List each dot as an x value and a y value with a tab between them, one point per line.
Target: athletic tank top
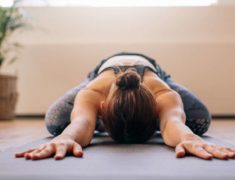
123	62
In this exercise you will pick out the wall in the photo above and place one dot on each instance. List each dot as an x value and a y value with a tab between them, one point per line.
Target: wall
196	45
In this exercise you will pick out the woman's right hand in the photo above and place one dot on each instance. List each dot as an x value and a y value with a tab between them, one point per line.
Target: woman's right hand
57	147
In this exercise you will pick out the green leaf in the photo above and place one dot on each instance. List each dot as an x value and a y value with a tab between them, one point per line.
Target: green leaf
11	20
1	60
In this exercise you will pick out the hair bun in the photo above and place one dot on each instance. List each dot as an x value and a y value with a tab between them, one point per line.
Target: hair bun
128	80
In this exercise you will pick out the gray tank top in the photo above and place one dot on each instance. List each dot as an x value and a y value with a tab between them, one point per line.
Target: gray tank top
123	62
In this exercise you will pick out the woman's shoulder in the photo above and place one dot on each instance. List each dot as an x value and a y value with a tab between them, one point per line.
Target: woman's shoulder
102	82
95	91
155	84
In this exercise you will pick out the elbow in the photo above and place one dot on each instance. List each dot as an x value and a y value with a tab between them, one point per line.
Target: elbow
175	115
178	115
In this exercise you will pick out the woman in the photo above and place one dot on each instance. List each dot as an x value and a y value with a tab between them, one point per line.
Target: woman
129	96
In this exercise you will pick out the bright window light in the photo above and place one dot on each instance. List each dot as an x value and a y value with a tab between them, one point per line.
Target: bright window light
112	3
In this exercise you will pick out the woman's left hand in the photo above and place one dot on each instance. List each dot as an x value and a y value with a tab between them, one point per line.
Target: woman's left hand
203	149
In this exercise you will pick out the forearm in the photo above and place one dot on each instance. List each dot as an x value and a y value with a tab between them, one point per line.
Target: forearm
176	131
173	127
80	131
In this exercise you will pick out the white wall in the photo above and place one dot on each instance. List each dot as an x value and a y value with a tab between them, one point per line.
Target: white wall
195	45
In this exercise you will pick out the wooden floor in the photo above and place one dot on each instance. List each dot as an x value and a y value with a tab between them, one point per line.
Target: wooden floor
22	131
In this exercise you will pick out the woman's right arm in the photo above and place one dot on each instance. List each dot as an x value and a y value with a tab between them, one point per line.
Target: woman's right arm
178	135
76	135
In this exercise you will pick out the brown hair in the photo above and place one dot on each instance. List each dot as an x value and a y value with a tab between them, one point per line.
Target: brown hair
129	113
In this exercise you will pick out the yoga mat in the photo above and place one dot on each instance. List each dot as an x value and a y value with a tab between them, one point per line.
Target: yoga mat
104	159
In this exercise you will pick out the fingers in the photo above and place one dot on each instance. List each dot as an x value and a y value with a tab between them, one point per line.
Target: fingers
21	154
61	150
202	153
197	150
220	152
179	150
204	150
45	152
231	150
77	150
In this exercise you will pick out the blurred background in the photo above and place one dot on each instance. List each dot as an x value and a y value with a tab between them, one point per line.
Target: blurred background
193	40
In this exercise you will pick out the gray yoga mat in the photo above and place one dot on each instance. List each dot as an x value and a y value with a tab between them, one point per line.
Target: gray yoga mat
104	159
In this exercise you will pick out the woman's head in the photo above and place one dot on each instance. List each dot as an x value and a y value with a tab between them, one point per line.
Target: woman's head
129	111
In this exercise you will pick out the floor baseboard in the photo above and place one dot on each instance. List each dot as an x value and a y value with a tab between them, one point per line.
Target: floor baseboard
30	116
223	116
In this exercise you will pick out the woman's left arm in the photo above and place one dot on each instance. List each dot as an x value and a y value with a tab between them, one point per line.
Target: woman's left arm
176	134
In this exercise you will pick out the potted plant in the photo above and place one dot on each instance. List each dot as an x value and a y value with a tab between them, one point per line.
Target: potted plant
11	20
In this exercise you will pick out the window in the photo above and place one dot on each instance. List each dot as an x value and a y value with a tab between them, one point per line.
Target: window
112	3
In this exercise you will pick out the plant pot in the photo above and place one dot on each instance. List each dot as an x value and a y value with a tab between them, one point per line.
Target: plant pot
8	96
